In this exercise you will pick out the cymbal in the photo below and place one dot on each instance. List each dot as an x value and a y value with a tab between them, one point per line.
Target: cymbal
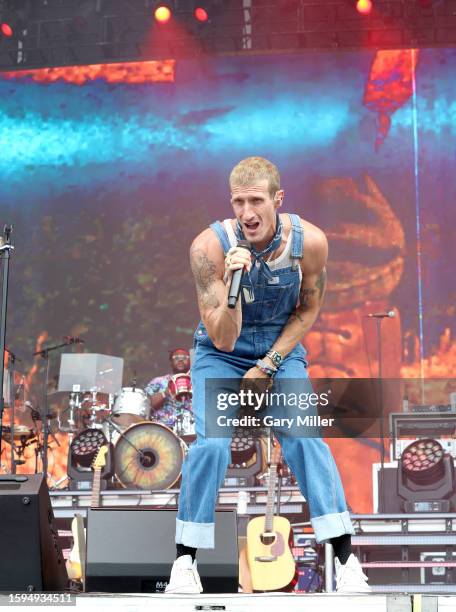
20	431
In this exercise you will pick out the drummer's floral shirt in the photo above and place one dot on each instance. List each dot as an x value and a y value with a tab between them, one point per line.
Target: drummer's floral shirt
167	414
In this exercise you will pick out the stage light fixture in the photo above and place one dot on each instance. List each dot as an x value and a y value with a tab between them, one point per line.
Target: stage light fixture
6	29
422	461
201	14
162	13
364	6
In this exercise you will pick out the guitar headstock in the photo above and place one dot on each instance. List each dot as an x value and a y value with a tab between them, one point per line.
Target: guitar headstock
100	459
276	452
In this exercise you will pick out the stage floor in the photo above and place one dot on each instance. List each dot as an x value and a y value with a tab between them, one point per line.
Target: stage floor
271	602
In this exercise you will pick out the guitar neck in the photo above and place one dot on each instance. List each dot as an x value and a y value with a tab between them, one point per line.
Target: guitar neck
95	498
268	523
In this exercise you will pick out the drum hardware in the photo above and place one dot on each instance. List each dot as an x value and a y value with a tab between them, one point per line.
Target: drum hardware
44	353
184	425
121	432
74	405
95	406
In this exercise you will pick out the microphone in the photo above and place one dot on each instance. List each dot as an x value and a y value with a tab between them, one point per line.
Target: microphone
73	340
235	285
381	315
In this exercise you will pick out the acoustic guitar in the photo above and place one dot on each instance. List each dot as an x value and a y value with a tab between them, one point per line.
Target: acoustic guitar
269	539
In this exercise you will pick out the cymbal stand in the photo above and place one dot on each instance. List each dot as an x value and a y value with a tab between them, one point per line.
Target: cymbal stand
44	353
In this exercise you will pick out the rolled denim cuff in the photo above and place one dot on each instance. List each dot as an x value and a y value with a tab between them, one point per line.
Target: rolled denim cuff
196	535
330	526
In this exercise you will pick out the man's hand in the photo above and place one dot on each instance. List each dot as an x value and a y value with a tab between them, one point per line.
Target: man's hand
236	259
256	380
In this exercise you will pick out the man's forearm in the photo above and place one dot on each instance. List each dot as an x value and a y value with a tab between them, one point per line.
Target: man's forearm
224	324
304	315
297	326
157	400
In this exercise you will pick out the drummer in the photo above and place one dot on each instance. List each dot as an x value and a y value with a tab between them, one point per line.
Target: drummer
165	407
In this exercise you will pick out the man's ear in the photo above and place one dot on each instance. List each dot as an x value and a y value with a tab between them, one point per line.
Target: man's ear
278	198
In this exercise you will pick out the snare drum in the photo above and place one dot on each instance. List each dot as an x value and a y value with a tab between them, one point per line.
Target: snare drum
130	406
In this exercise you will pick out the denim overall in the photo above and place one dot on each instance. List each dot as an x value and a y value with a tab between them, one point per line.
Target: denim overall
207	460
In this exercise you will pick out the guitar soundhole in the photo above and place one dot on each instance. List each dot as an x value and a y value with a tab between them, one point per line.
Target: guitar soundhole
267	540
147	459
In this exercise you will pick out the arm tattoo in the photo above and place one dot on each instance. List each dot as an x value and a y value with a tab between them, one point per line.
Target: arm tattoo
204	271
321	284
305	297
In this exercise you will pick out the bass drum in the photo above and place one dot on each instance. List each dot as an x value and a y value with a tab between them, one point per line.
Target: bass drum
148	456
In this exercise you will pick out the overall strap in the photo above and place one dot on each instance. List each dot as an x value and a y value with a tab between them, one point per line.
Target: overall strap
297	240
221	234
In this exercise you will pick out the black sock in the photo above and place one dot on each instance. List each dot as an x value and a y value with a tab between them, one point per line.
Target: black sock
185	550
342	547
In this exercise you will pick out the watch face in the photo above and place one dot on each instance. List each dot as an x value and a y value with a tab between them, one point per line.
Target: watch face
275	358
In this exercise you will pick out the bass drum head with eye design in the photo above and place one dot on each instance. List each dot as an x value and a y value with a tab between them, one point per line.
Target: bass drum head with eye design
148	456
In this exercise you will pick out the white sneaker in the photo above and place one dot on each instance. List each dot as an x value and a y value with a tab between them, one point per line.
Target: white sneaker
184	577
197	578
350	577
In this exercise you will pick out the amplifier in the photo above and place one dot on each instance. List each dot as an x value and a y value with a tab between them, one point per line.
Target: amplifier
31	558
131	550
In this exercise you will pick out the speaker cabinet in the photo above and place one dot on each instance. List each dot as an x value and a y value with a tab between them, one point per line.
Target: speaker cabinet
131	550
31	558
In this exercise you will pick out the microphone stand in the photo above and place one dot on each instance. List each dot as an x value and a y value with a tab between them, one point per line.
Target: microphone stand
44	353
380	399
379	318
5	250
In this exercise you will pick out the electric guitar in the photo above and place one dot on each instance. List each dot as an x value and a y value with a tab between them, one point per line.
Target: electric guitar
269	538
76	560
75	563
97	465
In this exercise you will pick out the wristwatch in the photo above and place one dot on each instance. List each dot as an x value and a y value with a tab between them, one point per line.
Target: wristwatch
275	357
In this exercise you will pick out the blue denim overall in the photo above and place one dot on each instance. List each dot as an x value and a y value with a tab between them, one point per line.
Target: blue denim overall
207	460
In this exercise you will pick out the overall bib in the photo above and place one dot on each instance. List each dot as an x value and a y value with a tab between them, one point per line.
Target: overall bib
207	460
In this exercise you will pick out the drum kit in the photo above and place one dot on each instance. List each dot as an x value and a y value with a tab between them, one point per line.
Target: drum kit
146	455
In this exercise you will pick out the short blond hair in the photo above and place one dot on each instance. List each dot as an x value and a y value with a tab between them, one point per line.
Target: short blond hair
253	169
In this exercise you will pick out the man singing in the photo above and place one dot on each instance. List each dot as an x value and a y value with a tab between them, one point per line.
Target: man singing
281	294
